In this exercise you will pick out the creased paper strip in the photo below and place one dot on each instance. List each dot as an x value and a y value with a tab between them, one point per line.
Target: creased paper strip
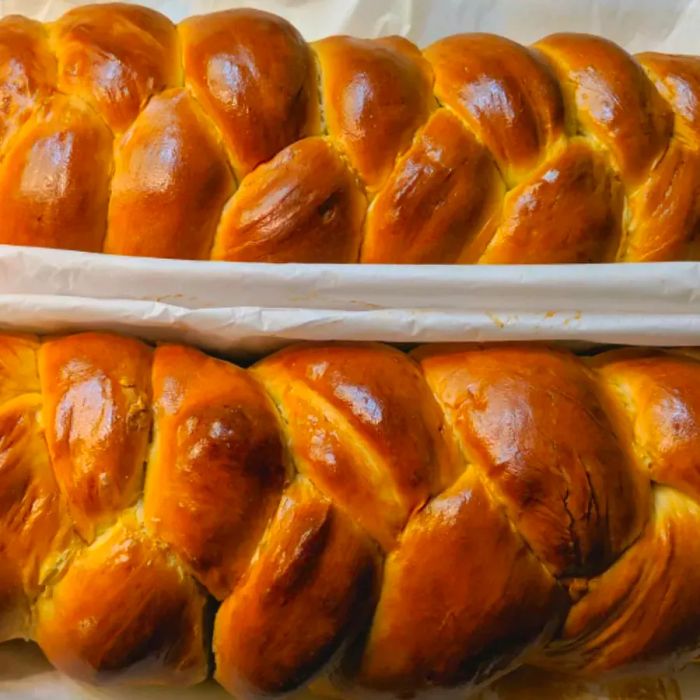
617	288
249	330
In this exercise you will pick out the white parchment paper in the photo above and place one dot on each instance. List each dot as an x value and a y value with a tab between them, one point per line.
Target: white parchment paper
639	25
246	308
239	309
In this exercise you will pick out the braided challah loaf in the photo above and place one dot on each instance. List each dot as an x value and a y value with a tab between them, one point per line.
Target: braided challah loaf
228	137
399	523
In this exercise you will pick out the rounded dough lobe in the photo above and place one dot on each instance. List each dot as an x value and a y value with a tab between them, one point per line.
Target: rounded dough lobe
664	213
18	371
613	100
115	57
27	72
677	78
97	394
123	612
34	527
461	597
362	425
309	589
567	212
55	178
532	421
255	77
170	183
376	93
657	400
507	96
302	206
642	613
216	469
440	201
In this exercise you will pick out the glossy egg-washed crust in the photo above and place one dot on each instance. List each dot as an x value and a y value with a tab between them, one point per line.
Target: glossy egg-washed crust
348	514
228	137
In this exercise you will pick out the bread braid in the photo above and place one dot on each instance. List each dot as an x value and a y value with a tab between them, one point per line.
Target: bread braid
397	522
228	137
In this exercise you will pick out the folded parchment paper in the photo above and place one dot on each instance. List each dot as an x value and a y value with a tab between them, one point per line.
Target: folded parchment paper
243	308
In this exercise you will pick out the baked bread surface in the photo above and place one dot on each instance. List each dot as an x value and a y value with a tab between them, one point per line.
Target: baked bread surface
228	137
387	521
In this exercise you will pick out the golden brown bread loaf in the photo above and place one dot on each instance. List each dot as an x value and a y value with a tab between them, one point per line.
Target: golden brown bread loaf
396	522
228	137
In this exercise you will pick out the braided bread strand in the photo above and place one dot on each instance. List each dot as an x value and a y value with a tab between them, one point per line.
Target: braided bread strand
398	523
228	137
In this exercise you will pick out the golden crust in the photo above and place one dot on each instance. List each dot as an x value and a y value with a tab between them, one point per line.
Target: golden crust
440	201
313	559
614	100
677	78
171	180
283	212
123	611
395	522
532	421
664	213
361	423
572	186
115	57
658	403
216	471
52	195
228	137
33	522
642	613
27	72
479	599
507	95
255	76
18	368
377	93
96	414
34	527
